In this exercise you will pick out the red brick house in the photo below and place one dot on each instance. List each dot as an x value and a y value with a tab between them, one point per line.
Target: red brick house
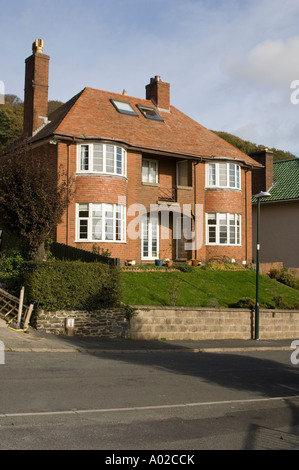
134	157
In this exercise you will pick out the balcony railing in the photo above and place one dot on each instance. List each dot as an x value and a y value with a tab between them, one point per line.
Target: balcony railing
167	194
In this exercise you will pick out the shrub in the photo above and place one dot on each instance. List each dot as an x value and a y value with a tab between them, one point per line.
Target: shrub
245	302
11	266
184	267
280	303
285	277
71	285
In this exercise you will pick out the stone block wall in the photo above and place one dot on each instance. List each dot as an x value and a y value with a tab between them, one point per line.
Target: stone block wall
175	323
101	323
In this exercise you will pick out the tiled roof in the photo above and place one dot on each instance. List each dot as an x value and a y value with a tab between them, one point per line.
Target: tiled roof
91	115
285	181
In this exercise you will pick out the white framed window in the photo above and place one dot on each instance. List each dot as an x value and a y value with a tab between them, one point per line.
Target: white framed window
149	171
150	237
223	175
101	158
223	229
101	222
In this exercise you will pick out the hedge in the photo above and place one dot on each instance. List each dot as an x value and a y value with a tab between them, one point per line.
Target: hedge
71	285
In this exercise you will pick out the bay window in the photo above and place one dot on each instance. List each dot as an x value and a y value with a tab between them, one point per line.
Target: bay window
223	175
223	229
101	158
101	222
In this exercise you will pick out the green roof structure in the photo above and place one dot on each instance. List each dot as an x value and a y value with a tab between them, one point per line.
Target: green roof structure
285	181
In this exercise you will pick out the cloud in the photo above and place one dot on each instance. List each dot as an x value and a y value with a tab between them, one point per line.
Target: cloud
271	63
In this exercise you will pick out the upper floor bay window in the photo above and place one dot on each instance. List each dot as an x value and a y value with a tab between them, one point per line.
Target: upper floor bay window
223	175
100	222
101	158
149	171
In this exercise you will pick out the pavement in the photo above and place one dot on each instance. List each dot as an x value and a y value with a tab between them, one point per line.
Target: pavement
37	341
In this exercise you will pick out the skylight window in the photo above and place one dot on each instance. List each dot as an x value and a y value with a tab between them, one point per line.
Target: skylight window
149	113
123	107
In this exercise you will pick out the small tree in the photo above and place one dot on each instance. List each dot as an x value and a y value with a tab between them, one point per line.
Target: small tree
33	196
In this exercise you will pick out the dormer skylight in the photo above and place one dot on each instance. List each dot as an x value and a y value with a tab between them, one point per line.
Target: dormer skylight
149	113
123	107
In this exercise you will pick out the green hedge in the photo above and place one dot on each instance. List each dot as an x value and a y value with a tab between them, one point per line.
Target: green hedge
71	285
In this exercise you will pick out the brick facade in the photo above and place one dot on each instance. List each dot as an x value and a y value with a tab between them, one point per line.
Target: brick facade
90	118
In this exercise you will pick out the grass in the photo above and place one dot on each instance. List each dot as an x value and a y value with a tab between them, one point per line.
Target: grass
202	288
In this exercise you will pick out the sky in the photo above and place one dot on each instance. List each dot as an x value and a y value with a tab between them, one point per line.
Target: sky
230	63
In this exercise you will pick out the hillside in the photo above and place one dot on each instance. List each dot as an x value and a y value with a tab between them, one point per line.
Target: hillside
249	147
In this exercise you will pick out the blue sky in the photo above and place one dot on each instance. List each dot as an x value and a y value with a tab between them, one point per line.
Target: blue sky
230	63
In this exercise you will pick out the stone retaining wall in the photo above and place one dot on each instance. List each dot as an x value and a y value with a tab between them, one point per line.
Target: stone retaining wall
102	323
174	323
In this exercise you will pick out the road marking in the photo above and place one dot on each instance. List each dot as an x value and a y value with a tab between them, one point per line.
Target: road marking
149	407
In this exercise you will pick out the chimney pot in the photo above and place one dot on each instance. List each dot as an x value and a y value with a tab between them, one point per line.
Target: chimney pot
38	46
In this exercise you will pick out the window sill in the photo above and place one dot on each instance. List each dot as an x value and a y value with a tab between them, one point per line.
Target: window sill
100	241
188	188
223	244
106	175
219	188
150	184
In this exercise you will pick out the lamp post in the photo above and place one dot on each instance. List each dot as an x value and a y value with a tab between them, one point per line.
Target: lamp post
257	305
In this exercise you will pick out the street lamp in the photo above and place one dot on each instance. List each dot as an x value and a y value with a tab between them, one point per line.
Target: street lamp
257	305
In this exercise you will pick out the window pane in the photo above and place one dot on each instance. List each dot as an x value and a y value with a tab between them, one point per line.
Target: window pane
238	176
223	228
212	234
84	157
97	221
108	222
109	159
83	229
212	219
119	161
222	174
152	172
238	241
182	173
212	174
98	157
83	210
232	229
232	175
145	171
124	107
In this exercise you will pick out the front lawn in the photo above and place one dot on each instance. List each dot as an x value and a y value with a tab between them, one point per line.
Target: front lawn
203	288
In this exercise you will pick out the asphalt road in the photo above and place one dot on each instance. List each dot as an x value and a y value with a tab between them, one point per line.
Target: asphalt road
161	400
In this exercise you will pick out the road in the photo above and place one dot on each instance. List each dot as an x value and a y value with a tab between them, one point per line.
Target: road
149	401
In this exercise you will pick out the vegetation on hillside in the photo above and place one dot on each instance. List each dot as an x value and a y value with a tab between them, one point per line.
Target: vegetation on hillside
249	147
11	118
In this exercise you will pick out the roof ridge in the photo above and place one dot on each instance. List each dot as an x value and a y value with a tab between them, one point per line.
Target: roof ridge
288	160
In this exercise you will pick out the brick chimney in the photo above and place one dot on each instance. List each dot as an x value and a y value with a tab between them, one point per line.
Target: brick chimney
262	178
159	92
36	89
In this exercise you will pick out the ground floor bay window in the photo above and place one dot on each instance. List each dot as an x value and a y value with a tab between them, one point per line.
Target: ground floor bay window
223	229
101	222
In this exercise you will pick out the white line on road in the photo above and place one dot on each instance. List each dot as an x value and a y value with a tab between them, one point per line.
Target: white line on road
150	407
